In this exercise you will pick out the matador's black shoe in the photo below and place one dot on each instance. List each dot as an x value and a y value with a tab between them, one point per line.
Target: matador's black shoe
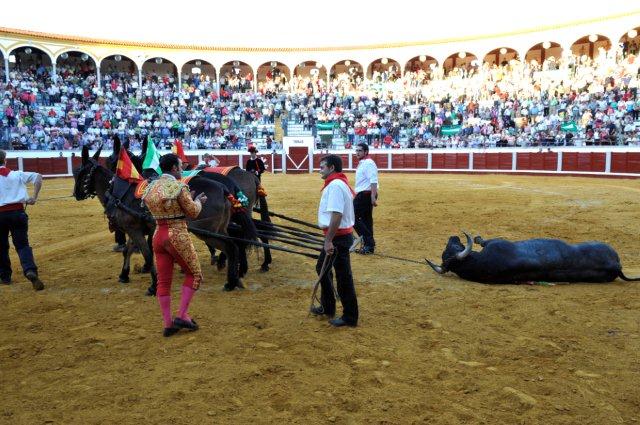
170	331
185	324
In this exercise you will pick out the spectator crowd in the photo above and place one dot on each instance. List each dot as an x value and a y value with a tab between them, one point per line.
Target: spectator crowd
514	103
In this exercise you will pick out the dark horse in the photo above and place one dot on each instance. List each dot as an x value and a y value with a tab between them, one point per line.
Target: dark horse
249	184
129	216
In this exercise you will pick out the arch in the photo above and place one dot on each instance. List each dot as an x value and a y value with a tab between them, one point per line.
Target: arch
273	76
118	64
306	70
500	56
347	66
386	68
542	51
423	63
91	56
590	45
236	76
464	61
23	57
630	41
159	67
78	61
206	68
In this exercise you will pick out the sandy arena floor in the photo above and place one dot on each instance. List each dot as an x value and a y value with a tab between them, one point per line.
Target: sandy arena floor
429	348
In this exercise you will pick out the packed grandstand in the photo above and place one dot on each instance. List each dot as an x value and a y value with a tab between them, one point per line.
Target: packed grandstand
583	94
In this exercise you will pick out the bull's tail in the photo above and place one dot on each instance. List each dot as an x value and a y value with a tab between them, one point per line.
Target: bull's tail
628	279
247	228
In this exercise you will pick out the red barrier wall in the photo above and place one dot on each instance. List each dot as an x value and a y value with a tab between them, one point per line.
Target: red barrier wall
583	161
492	161
45	165
450	161
547	162
540	161
12	163
625	162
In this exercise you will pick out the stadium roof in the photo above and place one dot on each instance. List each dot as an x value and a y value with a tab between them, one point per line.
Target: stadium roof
297	23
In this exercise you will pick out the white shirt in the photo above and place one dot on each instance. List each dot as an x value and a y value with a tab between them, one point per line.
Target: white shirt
13	189
366	174
336	197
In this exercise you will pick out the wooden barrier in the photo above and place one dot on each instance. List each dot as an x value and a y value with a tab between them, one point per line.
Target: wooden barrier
605	162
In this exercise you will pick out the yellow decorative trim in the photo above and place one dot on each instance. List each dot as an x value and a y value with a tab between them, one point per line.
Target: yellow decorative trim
175	46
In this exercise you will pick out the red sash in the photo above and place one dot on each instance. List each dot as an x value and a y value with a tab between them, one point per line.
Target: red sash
340	232
12	207
4	171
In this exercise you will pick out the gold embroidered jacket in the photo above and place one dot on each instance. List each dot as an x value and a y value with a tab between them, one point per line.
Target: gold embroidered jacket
168	198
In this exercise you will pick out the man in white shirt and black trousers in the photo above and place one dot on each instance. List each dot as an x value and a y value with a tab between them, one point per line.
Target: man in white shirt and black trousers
336	218
366	198
14	220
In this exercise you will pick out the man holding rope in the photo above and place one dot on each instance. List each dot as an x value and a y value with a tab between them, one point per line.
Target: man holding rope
336	218
14	220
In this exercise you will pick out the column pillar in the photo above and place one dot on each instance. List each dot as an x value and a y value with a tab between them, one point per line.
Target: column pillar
6	69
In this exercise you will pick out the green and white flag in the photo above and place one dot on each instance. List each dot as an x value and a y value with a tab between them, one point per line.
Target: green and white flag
450	130
152	157
569	126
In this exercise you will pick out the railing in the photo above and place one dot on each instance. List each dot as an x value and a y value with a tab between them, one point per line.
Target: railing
591	161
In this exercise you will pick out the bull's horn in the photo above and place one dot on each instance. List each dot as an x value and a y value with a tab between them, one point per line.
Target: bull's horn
467	250
436	267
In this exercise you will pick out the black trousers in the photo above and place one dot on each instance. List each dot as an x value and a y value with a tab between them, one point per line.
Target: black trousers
16	223
364	217
344	278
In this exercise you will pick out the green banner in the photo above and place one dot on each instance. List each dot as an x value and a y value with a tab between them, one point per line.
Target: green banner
450	130
325	125
569	126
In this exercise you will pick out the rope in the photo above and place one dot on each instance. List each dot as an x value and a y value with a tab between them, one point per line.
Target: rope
323	270
312	241
284	217
268	225
392	257
207	233
397	258
55	197
291	242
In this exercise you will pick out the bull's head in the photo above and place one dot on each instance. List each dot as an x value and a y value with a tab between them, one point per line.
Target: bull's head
454	251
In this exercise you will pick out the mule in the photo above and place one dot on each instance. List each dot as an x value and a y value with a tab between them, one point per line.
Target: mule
94	179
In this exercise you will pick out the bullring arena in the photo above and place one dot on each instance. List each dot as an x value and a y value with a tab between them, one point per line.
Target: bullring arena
429	348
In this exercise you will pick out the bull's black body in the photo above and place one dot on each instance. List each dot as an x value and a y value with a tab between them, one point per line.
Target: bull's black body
549	260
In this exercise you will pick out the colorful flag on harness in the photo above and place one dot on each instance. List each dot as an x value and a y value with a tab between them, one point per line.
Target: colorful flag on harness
179	150
569	126
152	157
125	168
